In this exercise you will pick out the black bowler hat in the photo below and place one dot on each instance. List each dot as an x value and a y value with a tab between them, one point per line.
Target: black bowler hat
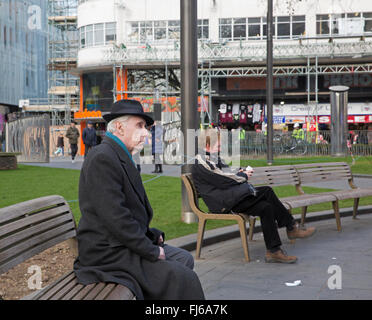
127	107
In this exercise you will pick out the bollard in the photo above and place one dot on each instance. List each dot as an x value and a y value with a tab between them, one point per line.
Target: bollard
339	104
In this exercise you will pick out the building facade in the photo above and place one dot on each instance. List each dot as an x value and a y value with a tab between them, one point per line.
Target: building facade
23	50
132	49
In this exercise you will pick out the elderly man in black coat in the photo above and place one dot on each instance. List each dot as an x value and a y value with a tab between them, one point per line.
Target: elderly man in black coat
230	192
114	239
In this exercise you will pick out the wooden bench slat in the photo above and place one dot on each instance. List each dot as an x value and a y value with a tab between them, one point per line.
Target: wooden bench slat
26	233
20	209
105	292
120	293
324	169
75	290
320	164
58	295
4	267
82	293
95	291
55	287
7	228
43	291
34	241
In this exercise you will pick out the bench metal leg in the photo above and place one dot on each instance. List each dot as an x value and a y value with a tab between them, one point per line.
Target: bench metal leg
243	235
201	228
355	207
252	222
303	215
337	214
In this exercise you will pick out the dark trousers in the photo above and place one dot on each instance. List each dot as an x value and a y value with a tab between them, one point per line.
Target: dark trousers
272	213
87	149
74	149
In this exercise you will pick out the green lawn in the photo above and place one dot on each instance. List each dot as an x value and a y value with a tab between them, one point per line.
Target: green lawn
164	193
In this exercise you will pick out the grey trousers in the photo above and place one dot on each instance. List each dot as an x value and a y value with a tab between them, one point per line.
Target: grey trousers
180	255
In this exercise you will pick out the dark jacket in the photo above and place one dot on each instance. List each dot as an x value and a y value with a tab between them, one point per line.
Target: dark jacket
114	239
89	137
157	132
60	142
221	191
73	135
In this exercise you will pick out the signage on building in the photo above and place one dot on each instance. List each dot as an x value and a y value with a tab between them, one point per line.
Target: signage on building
352	80
259	83
320	109
24	103
87	114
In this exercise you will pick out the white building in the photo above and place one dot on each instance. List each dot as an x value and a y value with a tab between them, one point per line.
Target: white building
317	43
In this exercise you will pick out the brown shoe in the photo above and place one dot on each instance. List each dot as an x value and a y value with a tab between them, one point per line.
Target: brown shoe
280	257
297	232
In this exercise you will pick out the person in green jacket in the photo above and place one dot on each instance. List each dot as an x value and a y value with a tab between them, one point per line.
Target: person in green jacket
298	132
73	135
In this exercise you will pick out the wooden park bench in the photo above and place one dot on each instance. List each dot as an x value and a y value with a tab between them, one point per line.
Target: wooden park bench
263	176
274	176
30	227
331	171
203	216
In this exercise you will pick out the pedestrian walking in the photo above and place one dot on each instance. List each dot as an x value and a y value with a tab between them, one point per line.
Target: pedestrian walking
157	146
60	145
89	138
73	135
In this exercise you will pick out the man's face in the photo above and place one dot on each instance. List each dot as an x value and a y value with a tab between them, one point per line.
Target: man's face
133	133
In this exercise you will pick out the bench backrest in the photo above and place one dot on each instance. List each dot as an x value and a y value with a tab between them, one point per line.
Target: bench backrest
30	227
274	176
318	172
192	194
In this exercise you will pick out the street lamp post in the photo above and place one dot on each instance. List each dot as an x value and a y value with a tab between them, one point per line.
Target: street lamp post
189	93
269	82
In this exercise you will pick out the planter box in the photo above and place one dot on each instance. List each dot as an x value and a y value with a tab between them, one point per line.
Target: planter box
8	160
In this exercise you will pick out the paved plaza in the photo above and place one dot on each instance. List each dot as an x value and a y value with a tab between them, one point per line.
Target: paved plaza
225	275
342	259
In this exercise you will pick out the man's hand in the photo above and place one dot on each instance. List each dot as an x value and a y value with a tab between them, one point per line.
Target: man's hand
160	240
161	254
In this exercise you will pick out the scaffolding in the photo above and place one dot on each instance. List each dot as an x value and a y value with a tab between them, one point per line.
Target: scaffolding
305	57
63	45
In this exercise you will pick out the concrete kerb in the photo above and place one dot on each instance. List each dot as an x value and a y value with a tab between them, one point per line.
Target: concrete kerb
226	233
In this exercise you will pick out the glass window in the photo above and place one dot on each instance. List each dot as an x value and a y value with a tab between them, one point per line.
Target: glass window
203	29
254	31
133	32
160	30
110	32
98	34
97	87
89	35
283	27
337	22
298	25
82	37
174	30
367	21
239	29
322	24
225	29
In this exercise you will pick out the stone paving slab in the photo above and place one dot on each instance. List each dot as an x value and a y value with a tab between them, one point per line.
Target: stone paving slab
225	275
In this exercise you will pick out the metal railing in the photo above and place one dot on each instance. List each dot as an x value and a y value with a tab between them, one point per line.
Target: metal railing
237	50
317	143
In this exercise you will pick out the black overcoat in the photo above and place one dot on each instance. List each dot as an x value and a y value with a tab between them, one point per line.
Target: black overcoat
114	239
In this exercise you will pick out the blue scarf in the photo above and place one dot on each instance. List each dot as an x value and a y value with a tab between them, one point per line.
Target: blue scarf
121	144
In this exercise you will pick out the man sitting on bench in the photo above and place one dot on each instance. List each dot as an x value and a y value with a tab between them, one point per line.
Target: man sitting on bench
224	191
